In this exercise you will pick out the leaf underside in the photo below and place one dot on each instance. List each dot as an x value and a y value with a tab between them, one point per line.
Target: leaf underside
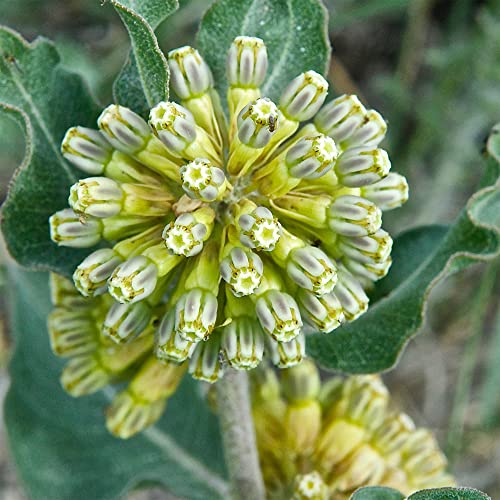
382	493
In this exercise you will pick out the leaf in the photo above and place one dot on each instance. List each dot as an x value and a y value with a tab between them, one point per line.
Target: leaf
377	493
60	445
143	80
374	342
295	33
449	494
44	99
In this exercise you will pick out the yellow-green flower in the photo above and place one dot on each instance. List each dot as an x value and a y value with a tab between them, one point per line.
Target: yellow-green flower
227	238
323	441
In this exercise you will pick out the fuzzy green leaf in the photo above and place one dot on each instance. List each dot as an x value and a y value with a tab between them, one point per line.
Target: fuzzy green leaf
143	80
377	493
33	84
295	33
449	494
60	445
423	257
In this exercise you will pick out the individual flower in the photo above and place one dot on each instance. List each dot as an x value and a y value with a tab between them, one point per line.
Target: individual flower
324	441
221	239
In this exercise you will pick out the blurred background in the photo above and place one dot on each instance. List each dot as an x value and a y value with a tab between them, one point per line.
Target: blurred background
432	68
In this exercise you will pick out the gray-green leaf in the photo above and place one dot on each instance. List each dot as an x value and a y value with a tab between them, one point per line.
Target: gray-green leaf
60	445
449	494
295	33
377	493
33	87
143	80
423	257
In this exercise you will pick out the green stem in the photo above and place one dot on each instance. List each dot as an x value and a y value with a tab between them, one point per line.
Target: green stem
469	362
238	436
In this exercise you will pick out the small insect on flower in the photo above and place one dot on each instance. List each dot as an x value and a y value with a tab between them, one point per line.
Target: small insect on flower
224	238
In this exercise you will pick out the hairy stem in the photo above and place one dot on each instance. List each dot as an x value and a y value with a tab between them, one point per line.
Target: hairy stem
238	436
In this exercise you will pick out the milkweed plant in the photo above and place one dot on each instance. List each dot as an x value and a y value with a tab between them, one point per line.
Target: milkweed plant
230	232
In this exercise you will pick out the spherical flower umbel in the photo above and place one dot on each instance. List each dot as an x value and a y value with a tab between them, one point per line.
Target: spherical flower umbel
222	239
326	441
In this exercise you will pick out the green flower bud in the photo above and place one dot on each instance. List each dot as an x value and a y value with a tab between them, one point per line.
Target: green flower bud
129	414
341	117
242	270
87	149
247	62
72	332
347	121
124	129
310	487
301	383
390	437
351	295
125	322
133	280
371	271
195	314
286	354
354	216
143	402
203	181
323	313
388	193
259	229
97	196
189	73
362	166
303	96
68	229
187	234
174	125
311	269
64	294
243	343
423	462
311	157
205	363
84	375
169	344
374	248
257	122
91	276
279	315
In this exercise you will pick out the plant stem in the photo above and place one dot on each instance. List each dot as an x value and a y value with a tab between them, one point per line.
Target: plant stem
468	364
238	436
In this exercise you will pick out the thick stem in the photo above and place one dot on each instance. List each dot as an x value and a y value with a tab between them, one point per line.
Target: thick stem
238	436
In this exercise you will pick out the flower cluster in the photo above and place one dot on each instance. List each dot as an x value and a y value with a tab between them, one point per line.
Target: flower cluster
225	238
319	442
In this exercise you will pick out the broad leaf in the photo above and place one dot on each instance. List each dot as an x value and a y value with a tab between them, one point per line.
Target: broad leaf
143	81
60	445
33	85
295	33
423	257
449	494
377	493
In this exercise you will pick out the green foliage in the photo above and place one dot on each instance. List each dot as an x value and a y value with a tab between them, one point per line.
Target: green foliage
377	493
374	342
143	81
33	85
294	32
60	445
381	493
449	494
